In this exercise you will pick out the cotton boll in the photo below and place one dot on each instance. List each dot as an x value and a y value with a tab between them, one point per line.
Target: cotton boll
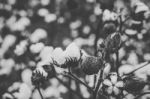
97	10
125	69
7	96
73	51
84	91
21	47
24	92
62	89
36	48
76	24
14	86
46	53
133	58
52	92
37	35
50	18
43	12
6	66
45	2
26	77
58	56
8	41
106	15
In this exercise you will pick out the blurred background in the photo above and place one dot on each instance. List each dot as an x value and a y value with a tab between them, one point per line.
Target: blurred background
27	26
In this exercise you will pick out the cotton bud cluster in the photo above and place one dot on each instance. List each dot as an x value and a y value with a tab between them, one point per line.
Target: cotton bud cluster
43	72
141	13
67	58
113	85
110	21
109	16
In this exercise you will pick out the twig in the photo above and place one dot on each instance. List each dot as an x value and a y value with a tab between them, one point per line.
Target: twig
98	84
38	88
78	80
78	94
141	95
117	61
137	69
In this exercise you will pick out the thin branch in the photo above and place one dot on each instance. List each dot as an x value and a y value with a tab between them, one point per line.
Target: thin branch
137	97
117	61
98	84
78	80
78	94
38	88
137	69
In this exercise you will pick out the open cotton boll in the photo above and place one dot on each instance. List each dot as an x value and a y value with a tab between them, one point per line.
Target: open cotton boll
46	53
43	12
58	56
125	69
60	60
24	92
50	17
106	15
73	51
6	66
141	7
21	47
8	41
133	58
26	77
36	48
37	35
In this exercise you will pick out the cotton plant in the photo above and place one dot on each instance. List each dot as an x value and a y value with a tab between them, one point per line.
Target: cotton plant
113	79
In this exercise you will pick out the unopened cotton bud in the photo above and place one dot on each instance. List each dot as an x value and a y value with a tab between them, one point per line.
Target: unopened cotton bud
134	84
91	65
113	42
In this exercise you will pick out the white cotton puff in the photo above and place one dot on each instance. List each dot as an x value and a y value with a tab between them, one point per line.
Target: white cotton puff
76	24
141	7
125	69
6	66
84	55
8	41
46	53
106	15
26	77
59	56
43	12
7	96
38	34
132	59
14	86
36	48
52	91
21	47
24	92
72	51
50	17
